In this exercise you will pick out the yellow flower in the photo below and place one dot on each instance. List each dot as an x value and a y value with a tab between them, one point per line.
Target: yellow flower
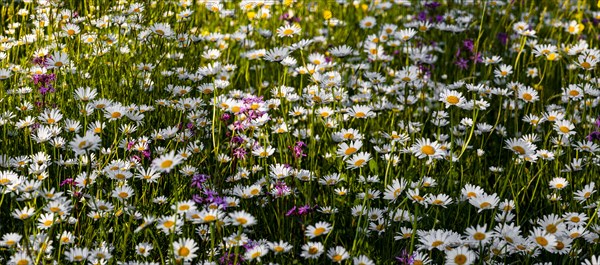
251	15
327	14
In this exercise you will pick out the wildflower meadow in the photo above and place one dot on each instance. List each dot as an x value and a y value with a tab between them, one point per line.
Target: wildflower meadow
299	132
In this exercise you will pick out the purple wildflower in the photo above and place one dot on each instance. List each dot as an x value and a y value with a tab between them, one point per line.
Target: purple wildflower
503	38
593	136
130	145
218	200
250	244
240	153
41	61
197	199
225	117
462	63
43	78
468	43
405	258
306	209
198	180
135	158
297	150
69	181
432	5
281	189
476	58
237	140
146	153
291	211
422	16
35	126
230	258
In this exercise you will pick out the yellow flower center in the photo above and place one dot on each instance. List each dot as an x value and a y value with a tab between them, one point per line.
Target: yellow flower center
428	150
437	243
359	162
288	32
527	97
552	56
418	198
564	129
184	252
319	231
479	236
519	149
210	218
541	241
484	205
586	65
166	164
169	224
452	99
573	93
460	259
